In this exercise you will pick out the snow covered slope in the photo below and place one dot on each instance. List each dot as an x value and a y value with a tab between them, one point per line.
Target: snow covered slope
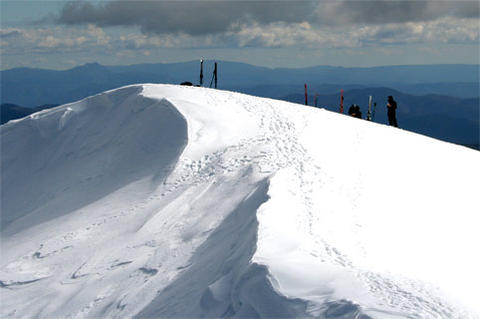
158	201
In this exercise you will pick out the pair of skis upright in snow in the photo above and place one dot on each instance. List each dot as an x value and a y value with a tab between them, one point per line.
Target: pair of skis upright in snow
214	77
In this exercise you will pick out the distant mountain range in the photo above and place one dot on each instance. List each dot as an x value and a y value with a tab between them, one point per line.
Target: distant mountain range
32	87
441	101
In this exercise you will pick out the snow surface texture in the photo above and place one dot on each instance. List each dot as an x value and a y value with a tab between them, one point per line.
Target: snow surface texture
159	201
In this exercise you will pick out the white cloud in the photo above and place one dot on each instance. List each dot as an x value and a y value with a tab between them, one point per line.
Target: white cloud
90	39
54	39
445	30
98	34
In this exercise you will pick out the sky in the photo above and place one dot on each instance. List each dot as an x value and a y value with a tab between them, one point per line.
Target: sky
63	34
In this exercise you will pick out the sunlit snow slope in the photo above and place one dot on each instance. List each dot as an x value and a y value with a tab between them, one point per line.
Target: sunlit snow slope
159	201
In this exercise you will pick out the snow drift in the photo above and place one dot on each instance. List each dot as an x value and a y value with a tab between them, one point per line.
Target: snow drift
159	201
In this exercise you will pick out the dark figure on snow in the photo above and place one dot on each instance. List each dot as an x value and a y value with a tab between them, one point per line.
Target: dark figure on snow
354	110
392	109
351	110
358	113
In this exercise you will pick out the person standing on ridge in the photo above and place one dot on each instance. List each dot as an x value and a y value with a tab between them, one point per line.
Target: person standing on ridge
391	111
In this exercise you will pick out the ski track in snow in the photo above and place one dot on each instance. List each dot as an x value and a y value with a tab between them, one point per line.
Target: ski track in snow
111	258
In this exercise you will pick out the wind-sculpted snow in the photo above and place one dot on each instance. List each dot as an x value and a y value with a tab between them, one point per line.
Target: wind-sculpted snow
58	161
159	201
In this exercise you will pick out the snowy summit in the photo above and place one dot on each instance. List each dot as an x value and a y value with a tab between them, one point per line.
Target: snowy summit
162	201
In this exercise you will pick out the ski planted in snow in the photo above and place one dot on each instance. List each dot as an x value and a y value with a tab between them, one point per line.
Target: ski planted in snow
369	112
341	101
306	96
214	77
201	72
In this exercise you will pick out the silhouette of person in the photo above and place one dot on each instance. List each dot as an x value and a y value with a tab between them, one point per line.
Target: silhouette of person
358	113
391	111
351	110
354	111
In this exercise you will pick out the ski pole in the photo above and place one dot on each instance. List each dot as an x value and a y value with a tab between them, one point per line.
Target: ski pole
306	96
341	101
201	72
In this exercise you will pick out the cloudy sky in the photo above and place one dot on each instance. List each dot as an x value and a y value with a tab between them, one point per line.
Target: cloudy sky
62	34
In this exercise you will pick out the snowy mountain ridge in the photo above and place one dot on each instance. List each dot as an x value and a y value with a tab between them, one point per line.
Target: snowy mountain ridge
156	201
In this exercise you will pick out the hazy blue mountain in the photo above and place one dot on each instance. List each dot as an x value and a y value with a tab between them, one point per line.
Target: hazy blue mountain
441	101
11	111
462	90
445	127
31	87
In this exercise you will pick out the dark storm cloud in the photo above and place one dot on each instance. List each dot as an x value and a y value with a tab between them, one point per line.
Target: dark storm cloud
218	16
191	17
382	12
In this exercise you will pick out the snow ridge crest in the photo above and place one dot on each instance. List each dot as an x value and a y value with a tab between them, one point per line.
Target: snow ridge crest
171	201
